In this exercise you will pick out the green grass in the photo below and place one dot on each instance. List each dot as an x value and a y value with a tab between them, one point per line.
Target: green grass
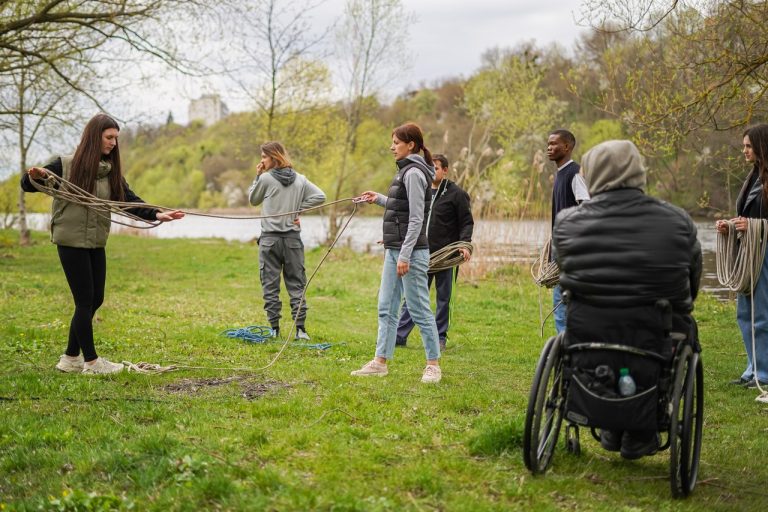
304	435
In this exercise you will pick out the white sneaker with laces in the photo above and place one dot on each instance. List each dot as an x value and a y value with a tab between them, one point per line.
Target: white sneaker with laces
302	335
67	364
371	368
432	374
102	367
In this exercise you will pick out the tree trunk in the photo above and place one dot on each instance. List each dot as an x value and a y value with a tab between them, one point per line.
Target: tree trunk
24	237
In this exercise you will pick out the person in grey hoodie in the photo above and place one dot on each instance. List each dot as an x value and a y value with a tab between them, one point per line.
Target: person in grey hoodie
280	189
406	259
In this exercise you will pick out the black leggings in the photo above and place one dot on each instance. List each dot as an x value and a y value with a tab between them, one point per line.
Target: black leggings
86	271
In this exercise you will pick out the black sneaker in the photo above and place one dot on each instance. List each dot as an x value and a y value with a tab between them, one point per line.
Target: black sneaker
610	440
739	382
632	448
400	342
276	332
753	384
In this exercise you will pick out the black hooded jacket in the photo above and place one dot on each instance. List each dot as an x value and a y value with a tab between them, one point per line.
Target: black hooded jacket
450	219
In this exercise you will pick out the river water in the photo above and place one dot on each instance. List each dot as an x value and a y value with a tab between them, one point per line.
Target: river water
497	242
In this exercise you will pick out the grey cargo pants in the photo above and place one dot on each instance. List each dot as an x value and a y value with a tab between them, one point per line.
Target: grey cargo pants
282	253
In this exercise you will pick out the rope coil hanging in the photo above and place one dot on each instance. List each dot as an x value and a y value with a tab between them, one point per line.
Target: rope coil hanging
544	270
739	256
448	257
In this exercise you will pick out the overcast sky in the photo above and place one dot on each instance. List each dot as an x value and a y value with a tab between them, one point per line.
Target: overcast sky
448	38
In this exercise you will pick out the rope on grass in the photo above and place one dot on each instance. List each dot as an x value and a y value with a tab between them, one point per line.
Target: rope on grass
449	256
148	368
56	186
262	334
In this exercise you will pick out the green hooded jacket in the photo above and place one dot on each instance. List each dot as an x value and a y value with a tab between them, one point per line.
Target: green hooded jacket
73	225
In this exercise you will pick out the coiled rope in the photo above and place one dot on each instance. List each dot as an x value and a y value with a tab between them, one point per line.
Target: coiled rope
544	270
739	259
260	334
546	274
449	256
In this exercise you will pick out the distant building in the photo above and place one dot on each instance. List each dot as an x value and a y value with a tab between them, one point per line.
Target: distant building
208	108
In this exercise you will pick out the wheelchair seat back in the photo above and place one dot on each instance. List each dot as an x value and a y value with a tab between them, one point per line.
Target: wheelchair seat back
598	343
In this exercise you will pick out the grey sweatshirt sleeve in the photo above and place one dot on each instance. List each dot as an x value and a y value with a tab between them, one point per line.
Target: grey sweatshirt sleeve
313	196
381	200
415	187
257	191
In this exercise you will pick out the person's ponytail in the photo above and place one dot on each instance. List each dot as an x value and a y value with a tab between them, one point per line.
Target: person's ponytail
427	155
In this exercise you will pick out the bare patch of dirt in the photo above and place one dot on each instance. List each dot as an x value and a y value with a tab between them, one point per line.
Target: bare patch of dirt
251	388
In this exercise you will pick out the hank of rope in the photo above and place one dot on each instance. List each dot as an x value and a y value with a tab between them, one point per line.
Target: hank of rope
544	270
739	256
739	259
449	256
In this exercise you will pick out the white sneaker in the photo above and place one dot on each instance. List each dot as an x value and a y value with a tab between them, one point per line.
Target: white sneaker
101	367
432	374
371	368
69	365
302	335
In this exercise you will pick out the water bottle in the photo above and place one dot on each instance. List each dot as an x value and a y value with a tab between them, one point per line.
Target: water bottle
627	385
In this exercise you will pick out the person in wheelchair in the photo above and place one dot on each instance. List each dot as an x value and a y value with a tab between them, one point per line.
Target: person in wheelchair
630	264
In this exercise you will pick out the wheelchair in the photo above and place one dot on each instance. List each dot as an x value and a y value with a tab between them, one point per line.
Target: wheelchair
670	387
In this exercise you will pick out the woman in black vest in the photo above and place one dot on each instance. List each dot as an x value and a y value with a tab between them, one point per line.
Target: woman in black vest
753	203
406	259
80	234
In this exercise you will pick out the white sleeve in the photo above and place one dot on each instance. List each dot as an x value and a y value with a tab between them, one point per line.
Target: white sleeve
579	186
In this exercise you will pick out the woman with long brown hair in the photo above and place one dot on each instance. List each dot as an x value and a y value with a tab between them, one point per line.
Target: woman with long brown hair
753	203
406	258
80	234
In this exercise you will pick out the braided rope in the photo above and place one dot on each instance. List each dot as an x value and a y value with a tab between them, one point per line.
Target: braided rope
739	257
56	186
544	271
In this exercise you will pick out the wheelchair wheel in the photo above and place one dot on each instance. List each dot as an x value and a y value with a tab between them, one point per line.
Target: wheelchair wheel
545	409
686	424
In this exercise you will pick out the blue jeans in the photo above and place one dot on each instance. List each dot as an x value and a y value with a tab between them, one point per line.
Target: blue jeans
414	285
443	288
559	314
744	319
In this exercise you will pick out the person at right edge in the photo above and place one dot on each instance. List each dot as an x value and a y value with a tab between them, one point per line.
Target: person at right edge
449	220
619	253
753	203
568	190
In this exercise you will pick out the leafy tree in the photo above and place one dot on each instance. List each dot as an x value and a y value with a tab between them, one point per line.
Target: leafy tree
511	114
278	41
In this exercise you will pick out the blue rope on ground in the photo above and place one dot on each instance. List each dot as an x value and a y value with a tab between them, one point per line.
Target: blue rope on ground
263	334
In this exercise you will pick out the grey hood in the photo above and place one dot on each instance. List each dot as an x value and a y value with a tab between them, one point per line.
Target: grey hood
420	160
284	175
613	164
